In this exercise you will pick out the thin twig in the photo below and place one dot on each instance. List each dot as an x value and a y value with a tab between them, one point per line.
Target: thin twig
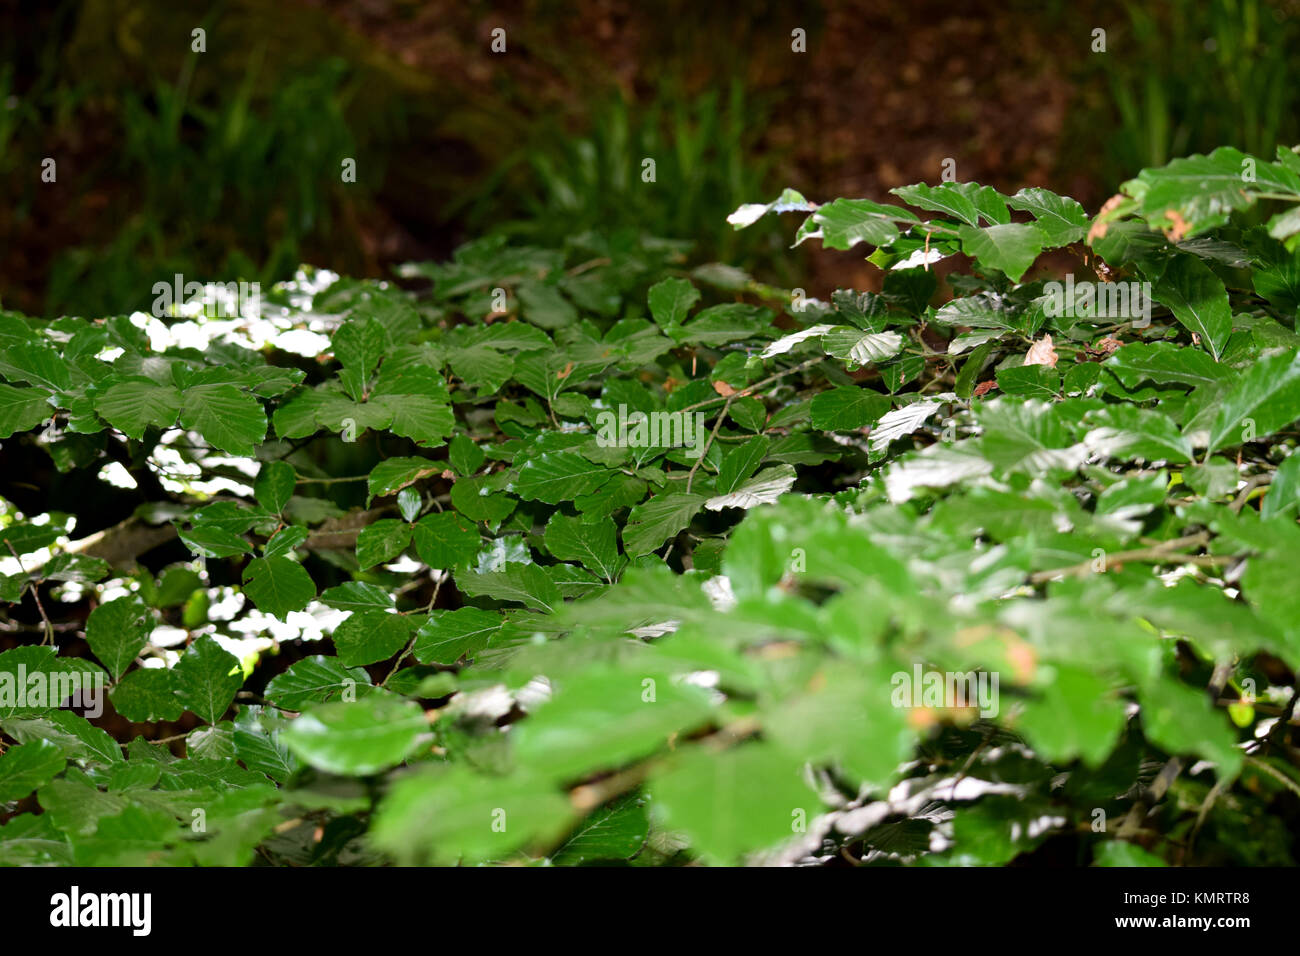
1251	484
1158	552
1273	772
33	586
437	586
708	444
751	389
330	481
1201	814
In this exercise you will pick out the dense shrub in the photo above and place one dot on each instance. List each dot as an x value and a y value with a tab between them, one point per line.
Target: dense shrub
469	580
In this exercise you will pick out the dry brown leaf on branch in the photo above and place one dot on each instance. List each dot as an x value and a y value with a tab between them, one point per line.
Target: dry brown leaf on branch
1178	226
1099	224
1042	353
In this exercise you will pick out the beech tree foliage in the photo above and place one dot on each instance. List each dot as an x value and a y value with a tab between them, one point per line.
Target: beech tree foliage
403	591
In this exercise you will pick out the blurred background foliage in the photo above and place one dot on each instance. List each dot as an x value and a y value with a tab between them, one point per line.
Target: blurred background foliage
226	164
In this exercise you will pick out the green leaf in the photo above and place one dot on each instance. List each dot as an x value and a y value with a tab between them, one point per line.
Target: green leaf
790	200
603	719
210	541
558	476
207	677
445	540
49	682
731	803
425	419
1121	853
25	538
943	198
593	543
409	504
1258	402
358	596
147	694
1205	189
359	344
382	541
474	498
1198	300
617	831
741	462
73	734
1028	437
27	767
653	522
274	486
543	305
228	516
1180	720
1032	381
226	417
1010	248
843	223
315	680
367	637
465	456
1283	497
994	831
359	738
75	567
1077	715
977	311
1060	219
525	584
456	814
845	719
450	635
670	300
1165	363
866	310
285	541
847	408
212	743
393	474
1213	479
175	585
858	348
22	409
259	747
1123	431
762	489
131	407
278	585
37	363
117	631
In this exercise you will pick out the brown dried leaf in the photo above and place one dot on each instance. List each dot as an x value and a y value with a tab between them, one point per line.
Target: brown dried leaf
1099	224
1108	345
1179	226
1042	353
